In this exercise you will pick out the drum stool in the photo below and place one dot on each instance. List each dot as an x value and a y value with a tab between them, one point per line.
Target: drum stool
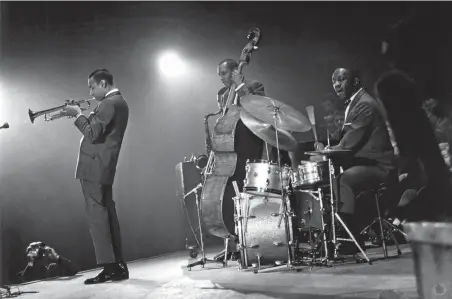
390	229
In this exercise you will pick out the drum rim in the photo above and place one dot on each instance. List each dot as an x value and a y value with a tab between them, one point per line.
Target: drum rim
262	161
262	190
312	163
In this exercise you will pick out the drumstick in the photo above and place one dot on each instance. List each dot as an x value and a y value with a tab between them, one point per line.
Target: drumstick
311	115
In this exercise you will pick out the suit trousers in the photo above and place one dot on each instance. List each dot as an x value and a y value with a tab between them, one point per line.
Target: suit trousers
354	180
103	222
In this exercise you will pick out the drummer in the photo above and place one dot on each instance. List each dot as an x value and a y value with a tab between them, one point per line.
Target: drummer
371	159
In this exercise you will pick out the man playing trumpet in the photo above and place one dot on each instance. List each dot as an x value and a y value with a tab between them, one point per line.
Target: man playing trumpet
103	131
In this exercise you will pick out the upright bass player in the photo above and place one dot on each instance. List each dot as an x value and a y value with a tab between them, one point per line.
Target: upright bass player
247	145
229	146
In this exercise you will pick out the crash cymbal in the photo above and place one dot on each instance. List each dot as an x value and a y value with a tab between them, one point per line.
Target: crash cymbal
267	132
263	108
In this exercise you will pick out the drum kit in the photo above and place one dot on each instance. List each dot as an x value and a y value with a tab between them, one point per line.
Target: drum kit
269	229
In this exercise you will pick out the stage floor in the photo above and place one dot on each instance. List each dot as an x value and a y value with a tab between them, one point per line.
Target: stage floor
167	277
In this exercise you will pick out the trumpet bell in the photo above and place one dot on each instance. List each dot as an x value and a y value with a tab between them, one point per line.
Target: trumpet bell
32	116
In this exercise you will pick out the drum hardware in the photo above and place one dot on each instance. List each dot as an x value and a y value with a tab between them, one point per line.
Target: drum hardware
330	153
203	259
318	196
284	118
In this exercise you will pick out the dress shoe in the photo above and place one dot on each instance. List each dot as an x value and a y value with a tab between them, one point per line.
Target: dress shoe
104	276
124	268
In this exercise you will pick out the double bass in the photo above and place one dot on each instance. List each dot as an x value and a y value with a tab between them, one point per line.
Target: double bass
231	144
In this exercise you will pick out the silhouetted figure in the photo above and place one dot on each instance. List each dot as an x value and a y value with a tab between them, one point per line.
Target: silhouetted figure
417	49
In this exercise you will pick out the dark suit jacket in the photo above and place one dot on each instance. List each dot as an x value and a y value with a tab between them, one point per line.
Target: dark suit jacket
365	133
103	131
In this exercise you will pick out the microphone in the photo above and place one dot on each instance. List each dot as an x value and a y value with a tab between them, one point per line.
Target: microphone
5	126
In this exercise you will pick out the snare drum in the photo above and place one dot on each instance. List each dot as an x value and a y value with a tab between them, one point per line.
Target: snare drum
310	174
263	178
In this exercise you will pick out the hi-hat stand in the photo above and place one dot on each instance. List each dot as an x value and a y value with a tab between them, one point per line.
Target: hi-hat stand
334	216
201	262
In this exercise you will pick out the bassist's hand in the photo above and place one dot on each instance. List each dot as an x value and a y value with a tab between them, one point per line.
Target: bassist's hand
237	78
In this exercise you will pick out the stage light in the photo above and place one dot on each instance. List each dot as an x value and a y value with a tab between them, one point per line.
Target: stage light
171	64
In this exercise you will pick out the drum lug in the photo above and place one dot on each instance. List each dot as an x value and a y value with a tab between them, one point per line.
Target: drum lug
268	182
250	217
269	170
275	214
278	243
253	246
245	182
240	247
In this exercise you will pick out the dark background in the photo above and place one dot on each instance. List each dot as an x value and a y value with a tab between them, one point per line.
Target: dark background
49	48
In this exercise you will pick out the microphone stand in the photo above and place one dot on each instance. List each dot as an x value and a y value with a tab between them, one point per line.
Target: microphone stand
203	259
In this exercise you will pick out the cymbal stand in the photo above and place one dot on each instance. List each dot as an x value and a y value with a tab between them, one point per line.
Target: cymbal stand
201	262
335	215
284	196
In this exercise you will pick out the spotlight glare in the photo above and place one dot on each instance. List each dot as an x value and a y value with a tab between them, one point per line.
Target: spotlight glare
171	64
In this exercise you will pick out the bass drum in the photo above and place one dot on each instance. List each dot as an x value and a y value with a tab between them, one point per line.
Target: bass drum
264	241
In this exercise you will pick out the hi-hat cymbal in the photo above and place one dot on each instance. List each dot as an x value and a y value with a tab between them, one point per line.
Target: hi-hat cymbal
263	108
267	132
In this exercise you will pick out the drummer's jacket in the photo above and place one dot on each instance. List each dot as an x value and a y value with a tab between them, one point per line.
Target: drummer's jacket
365	133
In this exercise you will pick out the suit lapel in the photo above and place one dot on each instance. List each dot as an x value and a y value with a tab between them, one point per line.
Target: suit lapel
110	95
354	103
350	109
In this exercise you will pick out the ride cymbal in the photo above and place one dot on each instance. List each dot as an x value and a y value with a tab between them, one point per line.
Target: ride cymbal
264	108
267	132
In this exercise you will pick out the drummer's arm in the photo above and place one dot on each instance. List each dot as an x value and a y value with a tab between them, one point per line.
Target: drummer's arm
358	129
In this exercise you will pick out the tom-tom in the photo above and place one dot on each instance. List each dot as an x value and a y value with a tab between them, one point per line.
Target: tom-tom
263	178
310	174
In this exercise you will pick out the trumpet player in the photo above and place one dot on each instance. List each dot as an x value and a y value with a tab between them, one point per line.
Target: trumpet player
103	132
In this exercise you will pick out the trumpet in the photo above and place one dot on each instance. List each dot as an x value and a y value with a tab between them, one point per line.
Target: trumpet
48	116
